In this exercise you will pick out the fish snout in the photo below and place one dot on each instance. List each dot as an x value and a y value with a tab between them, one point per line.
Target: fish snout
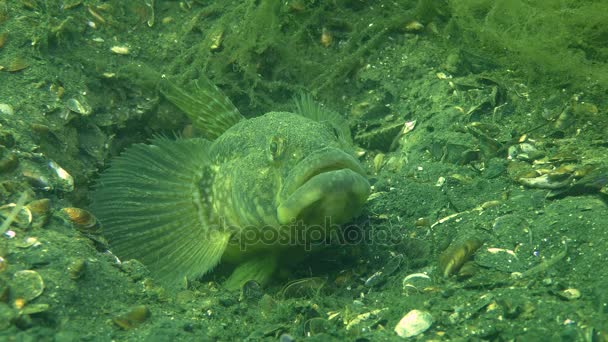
329	185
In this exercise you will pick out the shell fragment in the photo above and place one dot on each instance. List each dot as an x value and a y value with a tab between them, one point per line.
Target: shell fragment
414	323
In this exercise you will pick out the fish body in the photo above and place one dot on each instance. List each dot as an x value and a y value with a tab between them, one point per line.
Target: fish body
255	193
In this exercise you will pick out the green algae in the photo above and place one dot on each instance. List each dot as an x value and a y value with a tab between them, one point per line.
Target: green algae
557	41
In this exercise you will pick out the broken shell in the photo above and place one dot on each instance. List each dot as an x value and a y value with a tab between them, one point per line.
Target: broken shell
96	15
384	138
381	276
424	222
72	4
414	26
120	50
216	38
452	259
40	206
66	182
570	294
375	279
17	64
366	316
27	242
316	325
79	106
77	268
414	323
326	38
41	210
133	318
81	219
524	151
150	5
36	179
22	218
467	270
47	177
378	162
546	181
416	282
34	309
306	287
565	119
592	177
27	285
6	109
57	89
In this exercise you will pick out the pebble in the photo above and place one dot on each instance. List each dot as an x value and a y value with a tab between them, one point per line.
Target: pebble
132	319
570	294
6	109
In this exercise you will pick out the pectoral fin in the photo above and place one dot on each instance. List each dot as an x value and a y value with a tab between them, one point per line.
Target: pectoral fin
153	207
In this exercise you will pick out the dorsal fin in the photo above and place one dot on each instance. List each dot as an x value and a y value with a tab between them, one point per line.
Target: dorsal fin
307	107
211	112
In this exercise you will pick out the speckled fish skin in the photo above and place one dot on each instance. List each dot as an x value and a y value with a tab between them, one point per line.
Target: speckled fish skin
252	184
260	194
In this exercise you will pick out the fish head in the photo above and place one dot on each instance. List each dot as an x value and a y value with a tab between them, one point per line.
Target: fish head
283	169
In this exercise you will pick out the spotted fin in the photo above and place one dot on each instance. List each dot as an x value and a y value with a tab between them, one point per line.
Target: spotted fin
210	110
153	208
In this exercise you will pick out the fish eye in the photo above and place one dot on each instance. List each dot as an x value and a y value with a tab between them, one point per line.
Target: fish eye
276	148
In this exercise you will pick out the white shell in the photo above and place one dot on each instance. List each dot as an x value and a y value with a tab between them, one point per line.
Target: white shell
120	49
6	109
414	323
66	182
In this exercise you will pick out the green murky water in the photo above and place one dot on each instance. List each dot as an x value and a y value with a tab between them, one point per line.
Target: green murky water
482	126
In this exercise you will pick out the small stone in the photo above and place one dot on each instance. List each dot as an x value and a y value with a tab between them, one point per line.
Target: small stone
120	49
132	319
81	107
76	269
6	109
414	323
570	294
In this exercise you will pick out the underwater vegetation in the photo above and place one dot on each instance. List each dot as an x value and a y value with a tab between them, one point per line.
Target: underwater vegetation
481	127
561	41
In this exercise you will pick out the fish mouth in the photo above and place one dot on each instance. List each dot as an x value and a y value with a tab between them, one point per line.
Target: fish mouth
329	184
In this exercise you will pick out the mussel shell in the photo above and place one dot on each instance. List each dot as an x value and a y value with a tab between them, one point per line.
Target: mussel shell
27	285
81	219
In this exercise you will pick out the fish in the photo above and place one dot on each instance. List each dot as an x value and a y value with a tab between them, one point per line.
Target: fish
251	195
